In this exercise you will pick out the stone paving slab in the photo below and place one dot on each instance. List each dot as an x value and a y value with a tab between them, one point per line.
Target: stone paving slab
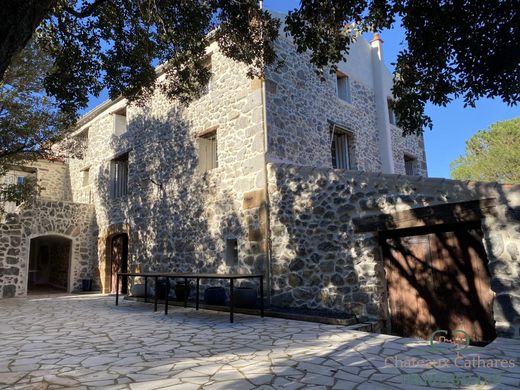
86	342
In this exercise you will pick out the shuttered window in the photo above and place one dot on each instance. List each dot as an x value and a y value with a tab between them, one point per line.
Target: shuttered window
119	177
410	164
208	152
341	150
120	124
343	87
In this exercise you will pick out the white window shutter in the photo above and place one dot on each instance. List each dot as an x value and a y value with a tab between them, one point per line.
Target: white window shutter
119	124
203	154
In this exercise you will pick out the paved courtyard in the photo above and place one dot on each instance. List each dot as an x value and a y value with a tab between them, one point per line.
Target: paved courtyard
85	342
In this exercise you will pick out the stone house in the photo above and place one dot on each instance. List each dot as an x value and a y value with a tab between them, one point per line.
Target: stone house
276	176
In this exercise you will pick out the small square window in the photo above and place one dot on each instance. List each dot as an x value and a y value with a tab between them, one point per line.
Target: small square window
391	113
85	177
231	255
208	87
343	87
120	124
410	165
208	158
20	180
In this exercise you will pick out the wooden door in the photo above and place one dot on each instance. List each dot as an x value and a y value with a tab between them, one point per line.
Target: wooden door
438	281
119	262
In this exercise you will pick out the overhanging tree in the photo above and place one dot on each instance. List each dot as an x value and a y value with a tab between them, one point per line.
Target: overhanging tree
460	48
491	155
29	120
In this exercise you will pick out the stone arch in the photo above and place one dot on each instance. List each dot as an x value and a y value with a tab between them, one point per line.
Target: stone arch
73	260
104	238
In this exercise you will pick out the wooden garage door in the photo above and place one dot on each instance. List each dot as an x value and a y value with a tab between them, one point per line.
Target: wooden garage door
438	281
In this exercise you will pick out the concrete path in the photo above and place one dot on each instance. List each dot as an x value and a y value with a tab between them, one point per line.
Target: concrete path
85	342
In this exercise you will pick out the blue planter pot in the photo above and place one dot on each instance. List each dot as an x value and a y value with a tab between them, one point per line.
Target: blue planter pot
138	291
245	297
182	291
215	295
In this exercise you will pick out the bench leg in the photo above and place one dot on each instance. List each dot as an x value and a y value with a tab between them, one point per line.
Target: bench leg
117	290
167	295
261	296
231	300
186	292
197	297
146	289
156	290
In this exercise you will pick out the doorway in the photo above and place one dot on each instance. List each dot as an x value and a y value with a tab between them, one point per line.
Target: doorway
118	262
49	265
438	279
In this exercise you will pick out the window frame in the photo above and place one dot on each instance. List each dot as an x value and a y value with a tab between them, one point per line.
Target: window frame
208	144
85	172
119	168
346	95
118	122
392	118
208	63
410	161
340	135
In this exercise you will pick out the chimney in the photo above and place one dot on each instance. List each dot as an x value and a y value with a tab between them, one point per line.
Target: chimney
383	122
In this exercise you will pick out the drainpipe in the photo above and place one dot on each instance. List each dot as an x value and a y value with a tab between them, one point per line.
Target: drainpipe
382	120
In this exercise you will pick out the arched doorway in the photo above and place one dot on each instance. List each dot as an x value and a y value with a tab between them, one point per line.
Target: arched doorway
49	265
118	261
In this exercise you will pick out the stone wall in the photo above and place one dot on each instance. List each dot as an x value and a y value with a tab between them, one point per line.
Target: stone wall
53	177
318	261
411	145
178	218
300	108
45	218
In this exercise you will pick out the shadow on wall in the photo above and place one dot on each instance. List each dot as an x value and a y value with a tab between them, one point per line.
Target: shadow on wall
179	217
319	261
440	281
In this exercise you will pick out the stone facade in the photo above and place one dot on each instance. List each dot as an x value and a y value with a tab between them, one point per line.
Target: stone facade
177	217
54	179
318	261
290	221
301	108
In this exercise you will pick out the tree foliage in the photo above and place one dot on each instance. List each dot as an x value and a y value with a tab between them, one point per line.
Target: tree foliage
18	193
463	48
491	155
29	119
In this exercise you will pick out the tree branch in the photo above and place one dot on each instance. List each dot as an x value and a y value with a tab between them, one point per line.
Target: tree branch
87	11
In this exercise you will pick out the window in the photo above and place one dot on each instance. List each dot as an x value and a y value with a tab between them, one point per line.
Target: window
341	149
120	124
20	180
208	151
208	87
85	177
231	255
410	164
82	143
391	114
343	87
119	176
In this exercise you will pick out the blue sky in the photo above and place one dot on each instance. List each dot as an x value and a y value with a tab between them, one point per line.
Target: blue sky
452	125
